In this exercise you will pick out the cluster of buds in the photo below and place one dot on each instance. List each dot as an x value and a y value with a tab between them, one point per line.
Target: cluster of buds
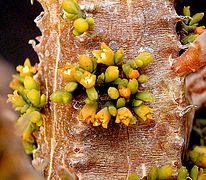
105	75
190	26
72	11
27	99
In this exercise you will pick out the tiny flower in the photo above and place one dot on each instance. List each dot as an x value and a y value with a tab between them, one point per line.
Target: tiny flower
102	117
125	92
16	100
111	74
27	134
71	7
86	63
81	25
105	55
88	112
145	57
88	80
68	73
30	83
126	68
144	112
119	55
124	116
15	84
27	69
133	74
133	85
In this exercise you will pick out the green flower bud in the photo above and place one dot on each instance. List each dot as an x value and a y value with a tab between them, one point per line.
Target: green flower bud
126	68
143	78
136	103
139	63
133	64
78	75
111	74
92	93
71	86
143	111
133	176
34	97
194	173
189	39
112	110
42	100
90	21
182	173
28	147
27	134
71	7
133	85
120	102
123	83
81	25
66	97
86	63
30	83
196	18
113	93
56	97
153	173
194	156
165	172
119	55
145	57
186	11
35	116
61	97
145	96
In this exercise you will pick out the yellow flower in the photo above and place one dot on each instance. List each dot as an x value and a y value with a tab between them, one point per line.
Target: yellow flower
68	73
27	69
88	80
124	115
102	117
16	99
144	112
105	55
88	112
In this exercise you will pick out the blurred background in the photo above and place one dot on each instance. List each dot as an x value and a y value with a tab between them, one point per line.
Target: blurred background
17	27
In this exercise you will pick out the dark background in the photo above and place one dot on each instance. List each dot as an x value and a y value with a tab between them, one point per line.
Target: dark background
17	27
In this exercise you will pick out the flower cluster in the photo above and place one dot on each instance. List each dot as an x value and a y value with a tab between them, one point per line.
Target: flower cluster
72	11
190	29
111	85
27	99
167	172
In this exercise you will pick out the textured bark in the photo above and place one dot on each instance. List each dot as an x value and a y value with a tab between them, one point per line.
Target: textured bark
113	153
